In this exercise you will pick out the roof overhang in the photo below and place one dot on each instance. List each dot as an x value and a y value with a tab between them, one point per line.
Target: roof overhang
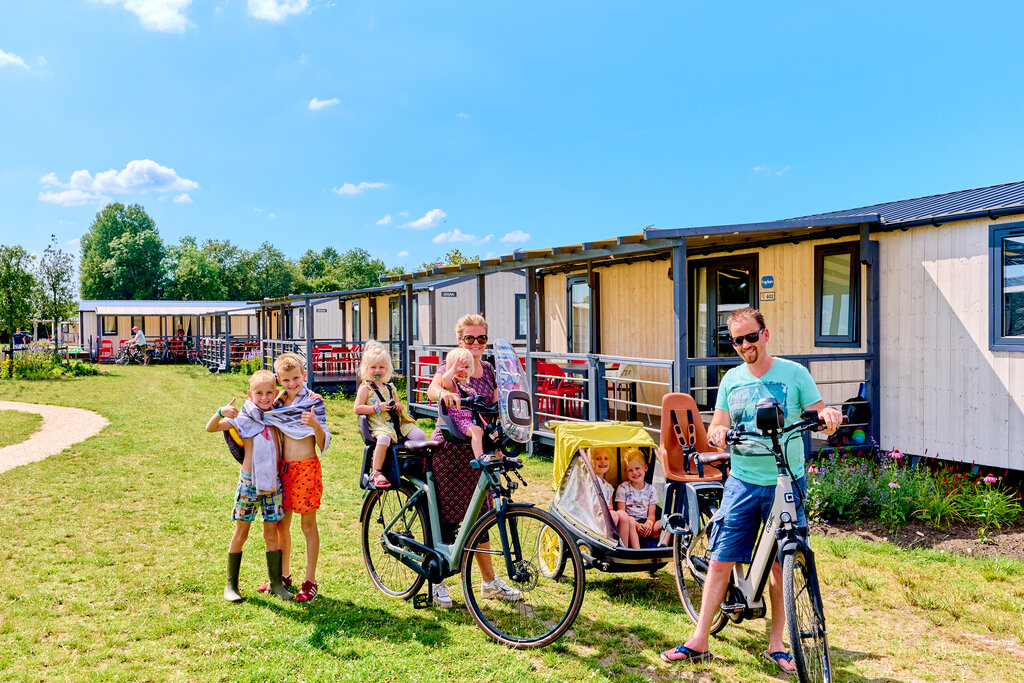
172	310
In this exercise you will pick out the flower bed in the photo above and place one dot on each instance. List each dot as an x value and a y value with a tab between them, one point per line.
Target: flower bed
33	364
894	492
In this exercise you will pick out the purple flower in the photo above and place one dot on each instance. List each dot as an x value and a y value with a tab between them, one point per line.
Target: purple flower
990	479
893	485
896	455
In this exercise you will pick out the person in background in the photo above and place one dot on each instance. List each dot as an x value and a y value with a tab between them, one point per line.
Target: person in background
139	342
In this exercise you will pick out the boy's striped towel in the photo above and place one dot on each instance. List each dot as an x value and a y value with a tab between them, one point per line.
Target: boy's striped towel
251	424
289	418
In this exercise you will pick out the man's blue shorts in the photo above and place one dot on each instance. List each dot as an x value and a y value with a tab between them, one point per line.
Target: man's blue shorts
736	524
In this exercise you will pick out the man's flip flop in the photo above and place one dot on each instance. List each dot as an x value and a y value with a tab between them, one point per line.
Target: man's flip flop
681	653
777	658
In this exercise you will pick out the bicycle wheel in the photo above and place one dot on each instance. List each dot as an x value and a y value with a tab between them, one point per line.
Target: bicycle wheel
541	608
805	619
381	508
691	559
122	358
551	556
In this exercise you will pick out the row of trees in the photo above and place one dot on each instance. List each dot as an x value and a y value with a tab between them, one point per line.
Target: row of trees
123	257
35	288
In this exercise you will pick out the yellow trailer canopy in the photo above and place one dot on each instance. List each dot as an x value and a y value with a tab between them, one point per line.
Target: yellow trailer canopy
572	436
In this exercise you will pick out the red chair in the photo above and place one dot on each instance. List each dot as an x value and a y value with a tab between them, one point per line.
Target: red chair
426	366
175	348
106	351
556	388
321	358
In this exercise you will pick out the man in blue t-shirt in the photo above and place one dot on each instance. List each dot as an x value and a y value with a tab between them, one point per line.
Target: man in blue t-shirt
750	488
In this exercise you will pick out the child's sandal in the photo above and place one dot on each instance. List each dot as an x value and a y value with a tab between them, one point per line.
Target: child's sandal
378	480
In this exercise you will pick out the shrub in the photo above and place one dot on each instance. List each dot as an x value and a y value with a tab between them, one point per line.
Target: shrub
43	365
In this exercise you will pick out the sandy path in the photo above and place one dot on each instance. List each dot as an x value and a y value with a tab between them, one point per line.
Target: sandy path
62	427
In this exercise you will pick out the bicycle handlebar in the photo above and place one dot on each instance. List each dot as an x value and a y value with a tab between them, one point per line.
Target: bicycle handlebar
809	422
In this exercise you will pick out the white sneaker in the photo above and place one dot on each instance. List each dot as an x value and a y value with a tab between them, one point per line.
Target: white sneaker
441	597
499	589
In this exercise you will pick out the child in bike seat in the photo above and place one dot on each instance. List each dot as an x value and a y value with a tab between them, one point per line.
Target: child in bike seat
601	459
637	498
378	400
459	363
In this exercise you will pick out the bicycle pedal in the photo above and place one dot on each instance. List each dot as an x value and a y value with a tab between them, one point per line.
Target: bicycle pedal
731	608
422	600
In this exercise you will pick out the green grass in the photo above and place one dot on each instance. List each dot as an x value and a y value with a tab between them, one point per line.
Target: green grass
113	564
18	426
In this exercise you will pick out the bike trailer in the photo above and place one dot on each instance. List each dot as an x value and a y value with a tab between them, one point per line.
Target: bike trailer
687	480
579	502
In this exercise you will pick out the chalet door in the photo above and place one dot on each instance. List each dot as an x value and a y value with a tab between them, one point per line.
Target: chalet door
718	287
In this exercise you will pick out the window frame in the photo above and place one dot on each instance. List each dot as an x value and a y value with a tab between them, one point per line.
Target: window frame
570	281
104	329
357	327
415	317
521	309
998	341
852	338
137	320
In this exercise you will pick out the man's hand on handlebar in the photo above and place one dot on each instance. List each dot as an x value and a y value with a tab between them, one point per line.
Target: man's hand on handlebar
717	434
831	418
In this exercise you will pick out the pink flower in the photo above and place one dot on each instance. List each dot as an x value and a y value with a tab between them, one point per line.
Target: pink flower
896	454
894	485
812	470
990	479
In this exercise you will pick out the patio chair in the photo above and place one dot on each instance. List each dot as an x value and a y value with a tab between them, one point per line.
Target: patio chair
426	366
106	352
623	378
556	388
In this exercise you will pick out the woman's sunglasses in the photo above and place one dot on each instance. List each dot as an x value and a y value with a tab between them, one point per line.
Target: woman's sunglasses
470	339
752	338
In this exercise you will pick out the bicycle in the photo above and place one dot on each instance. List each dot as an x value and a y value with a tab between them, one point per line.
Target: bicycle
128	355
402	547
805	614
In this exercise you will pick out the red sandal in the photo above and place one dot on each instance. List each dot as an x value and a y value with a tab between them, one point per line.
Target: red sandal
286	580
378	480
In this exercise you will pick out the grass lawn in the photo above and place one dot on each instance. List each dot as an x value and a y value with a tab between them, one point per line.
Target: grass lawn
18	426
113	559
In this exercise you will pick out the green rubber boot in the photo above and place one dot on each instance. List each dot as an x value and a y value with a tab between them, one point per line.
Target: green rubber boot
274	570
231	593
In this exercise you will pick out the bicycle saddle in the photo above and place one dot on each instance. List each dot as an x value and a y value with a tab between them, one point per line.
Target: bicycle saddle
416	446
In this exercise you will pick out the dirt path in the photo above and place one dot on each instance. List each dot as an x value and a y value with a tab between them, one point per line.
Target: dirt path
62	427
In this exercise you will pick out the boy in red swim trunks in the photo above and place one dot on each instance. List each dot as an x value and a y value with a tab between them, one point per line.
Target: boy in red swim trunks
300	472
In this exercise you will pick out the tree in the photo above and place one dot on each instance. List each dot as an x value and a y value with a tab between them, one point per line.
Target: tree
358	270
269	273
314	265
55	292
16	287
192	275
454	257
122	255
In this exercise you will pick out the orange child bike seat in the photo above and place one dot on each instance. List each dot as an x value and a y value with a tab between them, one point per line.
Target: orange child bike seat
683	433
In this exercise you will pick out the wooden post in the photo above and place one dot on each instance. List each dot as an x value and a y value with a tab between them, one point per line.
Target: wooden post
307	303
227	342
531	335
681	378
407	344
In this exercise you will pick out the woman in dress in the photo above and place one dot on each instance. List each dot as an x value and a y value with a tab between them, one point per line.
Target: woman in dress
454	479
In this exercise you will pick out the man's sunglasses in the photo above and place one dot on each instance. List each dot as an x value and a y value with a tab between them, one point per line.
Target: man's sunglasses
752	338
470	339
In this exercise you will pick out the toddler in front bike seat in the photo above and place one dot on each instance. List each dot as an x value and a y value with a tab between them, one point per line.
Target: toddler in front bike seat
636	497
387	416
600	458
459	363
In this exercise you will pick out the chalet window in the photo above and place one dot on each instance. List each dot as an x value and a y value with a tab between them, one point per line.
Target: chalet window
356	330
415	317
521	313
578	323
302	323
140	322
108	324
837	295
1006	289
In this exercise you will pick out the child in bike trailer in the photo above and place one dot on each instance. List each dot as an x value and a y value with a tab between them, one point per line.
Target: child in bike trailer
600	458
455	380
637	498
378	400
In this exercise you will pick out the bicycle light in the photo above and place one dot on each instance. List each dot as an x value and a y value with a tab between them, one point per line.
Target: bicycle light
770	417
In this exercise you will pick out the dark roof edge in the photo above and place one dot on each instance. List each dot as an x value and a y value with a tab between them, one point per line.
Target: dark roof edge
767	225
964	216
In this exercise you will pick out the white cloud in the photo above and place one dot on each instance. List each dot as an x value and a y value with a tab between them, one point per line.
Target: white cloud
385	221
516	237
349	190
257	209
75	242
402	254
276	10
41	61
403	214
456	235
156	15
63	222
761	168
462	115
271	215
10	59
183	198
317	104
138	177
431	219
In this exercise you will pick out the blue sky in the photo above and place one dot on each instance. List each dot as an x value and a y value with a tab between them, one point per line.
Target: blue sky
409	128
